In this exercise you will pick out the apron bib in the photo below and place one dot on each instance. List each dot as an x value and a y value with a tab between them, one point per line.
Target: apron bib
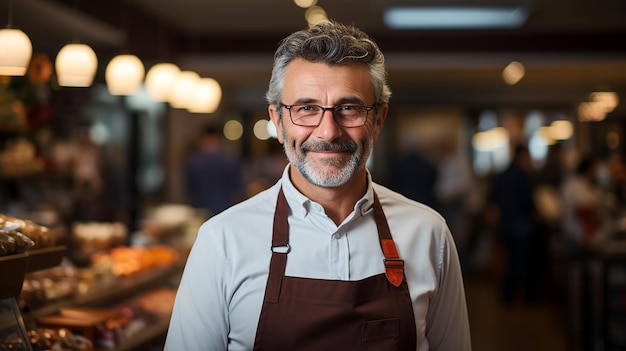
302	314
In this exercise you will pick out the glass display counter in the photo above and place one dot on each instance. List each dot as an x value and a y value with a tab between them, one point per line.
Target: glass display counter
13	268
141	289
13	334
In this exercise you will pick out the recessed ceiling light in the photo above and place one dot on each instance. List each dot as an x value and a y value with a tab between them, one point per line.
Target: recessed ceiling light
465	17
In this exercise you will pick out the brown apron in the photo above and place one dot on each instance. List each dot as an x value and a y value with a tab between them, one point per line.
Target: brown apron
375	313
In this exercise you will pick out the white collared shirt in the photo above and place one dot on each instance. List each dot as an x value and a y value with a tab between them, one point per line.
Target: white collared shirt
219	299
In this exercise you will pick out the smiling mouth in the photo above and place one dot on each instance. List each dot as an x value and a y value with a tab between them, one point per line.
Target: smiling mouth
331	157
328	152
329	148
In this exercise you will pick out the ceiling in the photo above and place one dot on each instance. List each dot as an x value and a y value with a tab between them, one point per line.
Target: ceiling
569	47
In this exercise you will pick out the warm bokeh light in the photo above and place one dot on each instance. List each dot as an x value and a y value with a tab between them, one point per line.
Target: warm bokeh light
513	73
591	112
233	130
490	140
160	80
205	96
305	4
605	100
124	74
260	129
76	65
561	129
315	15
600	103
15	52
183	86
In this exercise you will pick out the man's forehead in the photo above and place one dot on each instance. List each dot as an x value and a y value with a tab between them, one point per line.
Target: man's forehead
314	78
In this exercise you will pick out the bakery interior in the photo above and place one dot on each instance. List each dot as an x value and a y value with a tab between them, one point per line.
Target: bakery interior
95	222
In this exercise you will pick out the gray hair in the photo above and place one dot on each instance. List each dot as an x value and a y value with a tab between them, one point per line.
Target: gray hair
332	43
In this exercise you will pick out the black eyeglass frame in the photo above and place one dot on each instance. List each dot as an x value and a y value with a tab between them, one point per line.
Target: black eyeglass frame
332	110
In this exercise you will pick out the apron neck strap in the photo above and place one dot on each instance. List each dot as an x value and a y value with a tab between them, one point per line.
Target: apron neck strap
394	265
280	248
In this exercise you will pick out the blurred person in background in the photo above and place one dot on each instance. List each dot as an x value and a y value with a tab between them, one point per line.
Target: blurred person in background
325	259
513	194
548	261
581	197
414	176
213	179
90	176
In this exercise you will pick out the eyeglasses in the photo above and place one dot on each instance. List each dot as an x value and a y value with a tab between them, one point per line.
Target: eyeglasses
345	115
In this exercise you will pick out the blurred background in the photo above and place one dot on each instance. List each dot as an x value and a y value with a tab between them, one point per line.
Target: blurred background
507	116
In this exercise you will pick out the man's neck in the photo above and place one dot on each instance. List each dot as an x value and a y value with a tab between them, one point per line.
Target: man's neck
338	202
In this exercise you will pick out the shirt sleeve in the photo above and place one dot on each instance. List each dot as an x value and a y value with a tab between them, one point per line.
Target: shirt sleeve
200	316
447	320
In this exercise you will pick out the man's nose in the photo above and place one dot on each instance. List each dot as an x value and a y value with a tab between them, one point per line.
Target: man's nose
328	126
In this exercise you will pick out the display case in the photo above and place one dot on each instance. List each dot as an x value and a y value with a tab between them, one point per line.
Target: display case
13	334
16	324
102	300
13	268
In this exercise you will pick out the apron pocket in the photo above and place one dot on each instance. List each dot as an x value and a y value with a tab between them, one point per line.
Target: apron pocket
381	335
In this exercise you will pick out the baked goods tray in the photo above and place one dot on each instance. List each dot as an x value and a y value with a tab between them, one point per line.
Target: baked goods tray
45	258
13	268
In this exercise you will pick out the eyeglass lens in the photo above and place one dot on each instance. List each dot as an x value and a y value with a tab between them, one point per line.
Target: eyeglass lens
345	115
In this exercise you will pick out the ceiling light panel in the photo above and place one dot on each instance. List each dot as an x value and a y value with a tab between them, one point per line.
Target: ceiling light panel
465	17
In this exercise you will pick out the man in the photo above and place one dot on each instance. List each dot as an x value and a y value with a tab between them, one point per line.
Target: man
213	180
513	194
325	259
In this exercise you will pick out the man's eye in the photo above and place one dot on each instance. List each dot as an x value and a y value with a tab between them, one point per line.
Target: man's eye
306	109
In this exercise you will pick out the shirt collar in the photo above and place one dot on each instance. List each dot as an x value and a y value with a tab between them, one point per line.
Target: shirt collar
302	205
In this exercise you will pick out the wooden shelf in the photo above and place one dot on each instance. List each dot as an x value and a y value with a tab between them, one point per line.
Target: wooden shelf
108	290
148	334
13	268
115	289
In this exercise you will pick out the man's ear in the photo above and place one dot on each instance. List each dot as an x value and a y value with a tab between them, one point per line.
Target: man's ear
275	119
382	115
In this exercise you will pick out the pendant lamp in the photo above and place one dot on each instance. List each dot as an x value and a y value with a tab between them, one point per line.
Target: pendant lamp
160	80
183	87
124	74
15	52
76	65
205	97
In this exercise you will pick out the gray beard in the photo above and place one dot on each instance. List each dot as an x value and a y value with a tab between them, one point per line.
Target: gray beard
355	163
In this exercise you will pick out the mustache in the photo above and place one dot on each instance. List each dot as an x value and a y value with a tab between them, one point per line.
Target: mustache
336	146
